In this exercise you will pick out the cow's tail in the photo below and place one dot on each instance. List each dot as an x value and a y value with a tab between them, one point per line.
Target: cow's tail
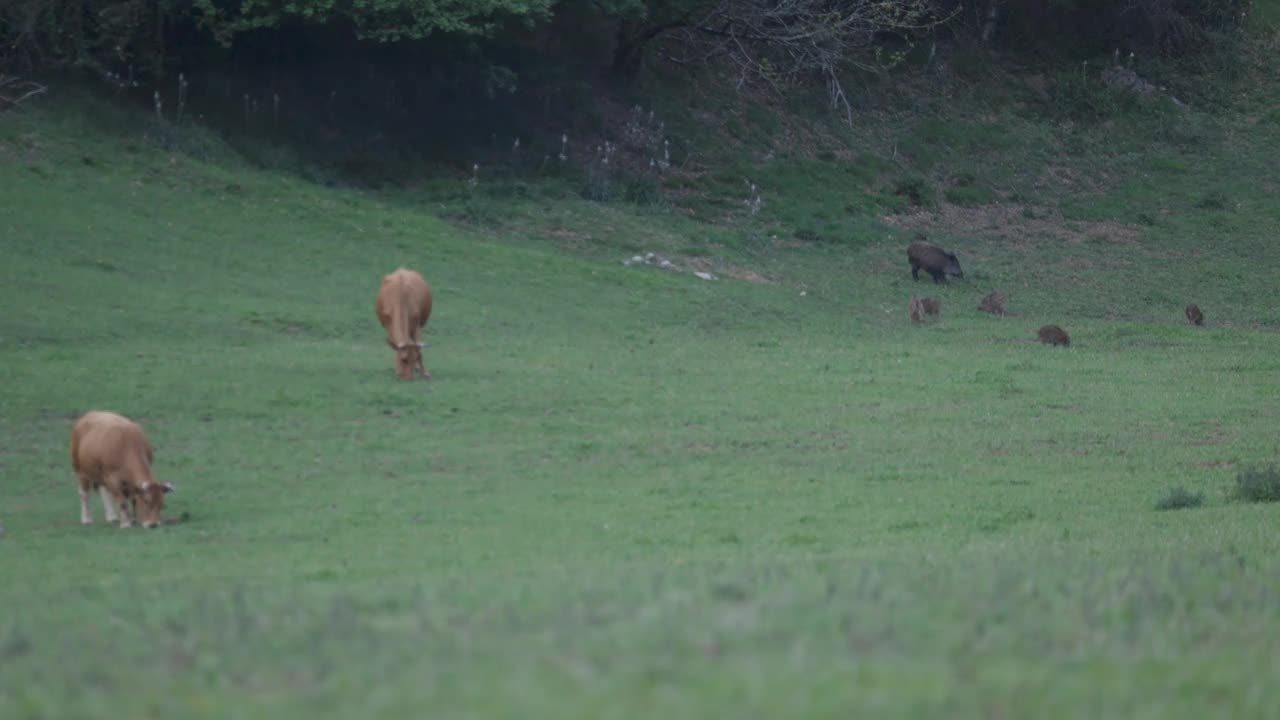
75	446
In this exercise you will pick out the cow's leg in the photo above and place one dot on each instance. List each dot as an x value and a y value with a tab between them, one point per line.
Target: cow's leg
122	503
108	504
416	337
85	517
126	515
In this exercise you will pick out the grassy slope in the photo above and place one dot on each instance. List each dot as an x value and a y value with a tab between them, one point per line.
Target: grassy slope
629	492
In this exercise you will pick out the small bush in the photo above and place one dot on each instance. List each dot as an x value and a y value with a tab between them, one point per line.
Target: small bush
1186	131
642	189
969	196
194	141
481	211
806	234
916	190
1258	484
1180	498
597	185
1213	201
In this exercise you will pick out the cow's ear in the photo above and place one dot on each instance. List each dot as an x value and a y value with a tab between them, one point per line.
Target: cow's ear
169	487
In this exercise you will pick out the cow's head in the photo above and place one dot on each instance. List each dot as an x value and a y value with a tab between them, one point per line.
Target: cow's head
408	358
148	501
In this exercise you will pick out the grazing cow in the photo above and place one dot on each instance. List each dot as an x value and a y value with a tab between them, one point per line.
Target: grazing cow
937	262
110	452
403	306
1194	316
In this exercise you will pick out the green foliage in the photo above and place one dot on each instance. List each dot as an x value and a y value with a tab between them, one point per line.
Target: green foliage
1213	201
377	20
1079	94
916	190
643	189
1179	498
970	195
142	34
1258	484
1084	28
965	190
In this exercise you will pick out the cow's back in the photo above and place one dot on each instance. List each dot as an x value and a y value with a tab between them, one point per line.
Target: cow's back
405	293
104	442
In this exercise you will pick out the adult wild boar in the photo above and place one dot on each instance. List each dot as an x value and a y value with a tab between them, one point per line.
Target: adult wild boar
110	453
934	260
403	306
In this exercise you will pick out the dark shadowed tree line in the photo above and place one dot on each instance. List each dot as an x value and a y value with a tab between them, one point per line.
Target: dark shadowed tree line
367	84
772	40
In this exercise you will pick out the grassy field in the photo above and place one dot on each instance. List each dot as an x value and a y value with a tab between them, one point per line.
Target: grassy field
627	492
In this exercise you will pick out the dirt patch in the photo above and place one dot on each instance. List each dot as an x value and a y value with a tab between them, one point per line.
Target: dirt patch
1020	225
1214	437
720	267
1216	464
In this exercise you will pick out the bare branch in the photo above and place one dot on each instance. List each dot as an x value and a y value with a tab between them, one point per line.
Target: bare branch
781	42
17	91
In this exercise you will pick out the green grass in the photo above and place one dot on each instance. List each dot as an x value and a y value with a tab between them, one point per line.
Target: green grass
627	492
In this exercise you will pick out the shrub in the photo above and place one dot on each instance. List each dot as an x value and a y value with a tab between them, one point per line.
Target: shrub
642	189
969	196
1179	498
916	190
1258	484
1213	201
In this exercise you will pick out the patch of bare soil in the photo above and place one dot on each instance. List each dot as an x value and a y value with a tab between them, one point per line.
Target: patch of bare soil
1019	225
720	267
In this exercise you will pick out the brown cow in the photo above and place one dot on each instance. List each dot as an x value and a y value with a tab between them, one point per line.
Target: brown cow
110	452
403	306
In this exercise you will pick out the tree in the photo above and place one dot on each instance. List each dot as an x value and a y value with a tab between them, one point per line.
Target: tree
785	41
379	20
139	32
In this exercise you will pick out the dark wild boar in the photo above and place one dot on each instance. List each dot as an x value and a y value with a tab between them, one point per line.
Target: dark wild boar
931	306
1194	316
1054	335
934	260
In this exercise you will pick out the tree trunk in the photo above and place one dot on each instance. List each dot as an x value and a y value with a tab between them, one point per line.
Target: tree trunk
629	49
989	25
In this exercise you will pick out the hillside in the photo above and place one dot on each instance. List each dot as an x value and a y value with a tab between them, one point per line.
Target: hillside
631	492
